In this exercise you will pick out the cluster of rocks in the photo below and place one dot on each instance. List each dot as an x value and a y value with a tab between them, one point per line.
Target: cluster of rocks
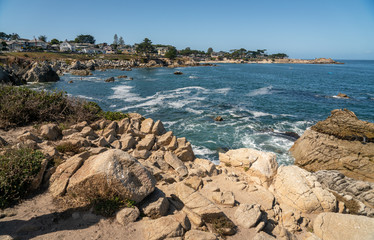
179	196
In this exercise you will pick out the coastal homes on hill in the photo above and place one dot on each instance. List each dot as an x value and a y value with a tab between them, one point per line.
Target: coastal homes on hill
22	44
161	51
67	47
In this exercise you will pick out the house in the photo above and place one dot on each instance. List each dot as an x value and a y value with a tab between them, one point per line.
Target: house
108	50
67	47
18	44
128	49
36	43
161	50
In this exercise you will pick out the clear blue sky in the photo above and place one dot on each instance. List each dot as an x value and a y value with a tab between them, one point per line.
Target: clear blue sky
341	29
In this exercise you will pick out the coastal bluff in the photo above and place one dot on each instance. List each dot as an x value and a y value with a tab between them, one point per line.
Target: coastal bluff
169	193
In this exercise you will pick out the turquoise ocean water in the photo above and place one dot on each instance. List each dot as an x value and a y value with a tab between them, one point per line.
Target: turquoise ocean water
258	102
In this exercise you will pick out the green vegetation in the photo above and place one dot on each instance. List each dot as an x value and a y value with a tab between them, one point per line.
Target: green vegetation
85	39
228	164
20	106
68	147
18	167
171	53
209	51
107	207
187	52
55	41
145	48
222	225
113	116
43	38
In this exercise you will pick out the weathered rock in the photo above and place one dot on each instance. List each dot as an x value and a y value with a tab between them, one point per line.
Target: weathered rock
261	196
128	142
263	236
88	131
141	154
165	139
102	142
224	198
157	159
41	72
162	228
247	215
146	143
68	132
28	136
218	119
79	126
60	179
336	226
83	72
359	190
111	79
146	125
197	203
342	95
341	142
113	170
117	144
184	151
158	128
199	235
155	205
50	131
173	144
127	215
195	182
176	163
123	125
301	190
207	165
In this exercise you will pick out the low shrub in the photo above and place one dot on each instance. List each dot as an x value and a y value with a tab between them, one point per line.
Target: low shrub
18	167
68	147
21	106
113	116
107	207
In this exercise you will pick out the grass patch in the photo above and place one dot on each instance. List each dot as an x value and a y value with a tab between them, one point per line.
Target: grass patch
18	167
228	164
246	169
223	225
68	147
107	207
20	106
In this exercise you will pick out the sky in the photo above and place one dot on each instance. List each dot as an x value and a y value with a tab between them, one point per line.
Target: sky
340	29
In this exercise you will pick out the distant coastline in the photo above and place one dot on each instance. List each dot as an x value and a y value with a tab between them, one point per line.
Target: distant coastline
277	61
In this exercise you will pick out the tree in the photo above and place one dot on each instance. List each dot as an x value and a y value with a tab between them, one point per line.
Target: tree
85	39
121	42
279	55
55	41
4	36
115	40
14	36
43	38
209	51
145	47
171	53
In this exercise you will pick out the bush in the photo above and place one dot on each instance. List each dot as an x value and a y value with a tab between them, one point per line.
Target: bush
21	106
18	167
107	207
113	116
67	147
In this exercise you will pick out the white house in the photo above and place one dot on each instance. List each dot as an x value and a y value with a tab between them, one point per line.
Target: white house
67	47
18	44
162	50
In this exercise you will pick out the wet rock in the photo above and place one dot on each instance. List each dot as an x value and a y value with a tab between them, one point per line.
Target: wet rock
342	95
111	79
218	119
84	72
178	73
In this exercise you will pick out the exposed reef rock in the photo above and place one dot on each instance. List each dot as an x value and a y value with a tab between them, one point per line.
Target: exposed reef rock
341	142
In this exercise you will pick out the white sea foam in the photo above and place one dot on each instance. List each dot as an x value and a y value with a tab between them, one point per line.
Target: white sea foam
194	111
192	77
113	106
86	97
260	114
222	90
124	92
260	91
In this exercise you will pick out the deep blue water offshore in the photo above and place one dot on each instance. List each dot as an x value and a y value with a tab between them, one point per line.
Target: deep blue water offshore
258	102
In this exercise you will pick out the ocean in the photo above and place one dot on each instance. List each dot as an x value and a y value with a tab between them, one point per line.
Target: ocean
259	103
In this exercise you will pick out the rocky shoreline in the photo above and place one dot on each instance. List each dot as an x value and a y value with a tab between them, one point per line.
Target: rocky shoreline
179	196
18	71
280	61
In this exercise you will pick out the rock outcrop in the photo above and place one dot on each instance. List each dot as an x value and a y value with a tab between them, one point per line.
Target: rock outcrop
335	226
301	190
341	142
41	72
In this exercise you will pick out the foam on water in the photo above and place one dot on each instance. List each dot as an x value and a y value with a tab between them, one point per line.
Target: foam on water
260	91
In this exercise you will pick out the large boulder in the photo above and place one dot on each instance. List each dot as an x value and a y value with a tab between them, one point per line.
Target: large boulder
261	165
341	142
41	72
113	171
299	189
335	226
